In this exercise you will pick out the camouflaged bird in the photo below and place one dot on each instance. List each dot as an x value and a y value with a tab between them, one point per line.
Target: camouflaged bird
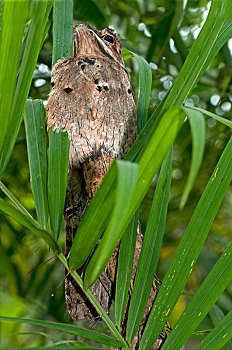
92	99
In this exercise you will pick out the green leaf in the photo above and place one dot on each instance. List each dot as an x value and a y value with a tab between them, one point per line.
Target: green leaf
97	214
212	287
201	333
61	347
217	316
212	115
62	34
197	124
28	222
15	201
199	53
46	335
223	36
1	6
78	344
145	82
127	54
35	35
124	269
150	252
67	328
189	248
14	17
126	182
144	137
57	177
204	49
34	119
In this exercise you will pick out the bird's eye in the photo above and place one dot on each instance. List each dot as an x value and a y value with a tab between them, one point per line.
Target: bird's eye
109	38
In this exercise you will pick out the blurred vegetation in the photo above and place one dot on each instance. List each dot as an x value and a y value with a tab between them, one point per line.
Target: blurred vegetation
162	31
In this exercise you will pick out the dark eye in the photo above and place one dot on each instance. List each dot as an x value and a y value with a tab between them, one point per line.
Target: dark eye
109	38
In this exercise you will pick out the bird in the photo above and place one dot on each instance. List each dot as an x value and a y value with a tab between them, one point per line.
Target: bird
92	99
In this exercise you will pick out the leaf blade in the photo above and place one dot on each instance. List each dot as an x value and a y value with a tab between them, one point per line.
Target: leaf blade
202	52
67	328
217	316
18	205
34	119
36	33
198	131
124	269
28	222
189	248
212	287
57	177
14	16
145	83
212	115
150	251
62	34
127	178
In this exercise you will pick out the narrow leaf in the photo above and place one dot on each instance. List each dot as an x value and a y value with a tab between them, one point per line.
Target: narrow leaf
150	252
34	119
62	29
28	222
14	17
202	52
189	248
124	269
61	347
212	287
36	33
126	182
212	115
145	82
15	200
57	177
217	316
197	124
223	36
67	328
1	6
48	336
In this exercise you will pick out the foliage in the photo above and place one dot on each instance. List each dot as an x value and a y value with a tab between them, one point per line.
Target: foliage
128	184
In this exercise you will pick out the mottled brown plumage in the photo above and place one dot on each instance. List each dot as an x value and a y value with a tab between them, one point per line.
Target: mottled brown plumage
92	99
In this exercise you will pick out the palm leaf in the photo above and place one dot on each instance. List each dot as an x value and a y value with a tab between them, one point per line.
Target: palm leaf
14	17
34	119
57	177
197	124
34	38
212	287
189	248
62	34
150	249
62	327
